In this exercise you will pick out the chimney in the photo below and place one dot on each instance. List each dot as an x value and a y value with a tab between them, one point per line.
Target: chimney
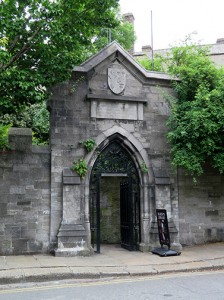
146	49
220	41
129	17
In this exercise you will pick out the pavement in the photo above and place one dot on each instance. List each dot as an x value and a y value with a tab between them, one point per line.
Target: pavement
113	261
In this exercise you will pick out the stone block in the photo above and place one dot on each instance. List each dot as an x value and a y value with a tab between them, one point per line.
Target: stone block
28	234
20	139
16	189
24	203
210	213
3	209
13	231
75	180
42	185
20	245
6	246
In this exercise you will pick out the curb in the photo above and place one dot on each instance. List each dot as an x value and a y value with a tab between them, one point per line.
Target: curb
47	275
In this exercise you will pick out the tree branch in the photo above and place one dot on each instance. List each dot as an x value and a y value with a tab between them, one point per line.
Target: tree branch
24	49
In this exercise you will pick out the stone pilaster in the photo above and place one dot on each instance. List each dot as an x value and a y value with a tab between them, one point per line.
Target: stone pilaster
72	236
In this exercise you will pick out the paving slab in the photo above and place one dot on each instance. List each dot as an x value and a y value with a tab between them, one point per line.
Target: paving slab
11	276
3	264
61	273
85	272
21	261
141	270
112	262
197	265
112	271
171	268
50	261
217	263
37	274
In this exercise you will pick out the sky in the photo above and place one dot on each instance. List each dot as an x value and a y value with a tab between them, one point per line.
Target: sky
174	20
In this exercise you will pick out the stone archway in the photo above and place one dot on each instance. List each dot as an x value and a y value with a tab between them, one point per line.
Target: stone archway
114	162
135	150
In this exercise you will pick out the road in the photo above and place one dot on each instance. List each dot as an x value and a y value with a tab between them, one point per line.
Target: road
195	286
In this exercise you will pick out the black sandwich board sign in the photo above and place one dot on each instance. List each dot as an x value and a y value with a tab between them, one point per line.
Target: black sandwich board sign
164	235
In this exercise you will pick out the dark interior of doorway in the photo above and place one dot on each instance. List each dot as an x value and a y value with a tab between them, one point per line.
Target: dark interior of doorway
114	180
118	218
110	210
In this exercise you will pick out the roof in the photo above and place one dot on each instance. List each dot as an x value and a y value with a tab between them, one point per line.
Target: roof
109	50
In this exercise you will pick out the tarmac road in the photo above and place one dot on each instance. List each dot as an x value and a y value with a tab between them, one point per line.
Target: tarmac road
196	286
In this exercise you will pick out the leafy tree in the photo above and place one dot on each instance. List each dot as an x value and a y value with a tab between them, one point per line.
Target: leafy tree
123	34
196	122
157	64
41	40
34	116
4	145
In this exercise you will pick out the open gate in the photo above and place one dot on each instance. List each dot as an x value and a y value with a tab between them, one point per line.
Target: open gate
115	161
130	215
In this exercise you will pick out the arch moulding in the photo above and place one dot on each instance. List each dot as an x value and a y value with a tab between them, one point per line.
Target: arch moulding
139	155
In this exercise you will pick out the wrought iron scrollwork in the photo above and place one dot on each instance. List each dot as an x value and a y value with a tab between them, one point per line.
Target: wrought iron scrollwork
114	159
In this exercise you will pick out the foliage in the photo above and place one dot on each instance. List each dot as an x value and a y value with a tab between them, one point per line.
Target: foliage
4	145
41	41
80	167
196	124
40	123
144	168
89	144
34	116
156	65
124	34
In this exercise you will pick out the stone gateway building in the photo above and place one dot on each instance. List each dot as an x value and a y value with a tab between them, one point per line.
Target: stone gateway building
109	121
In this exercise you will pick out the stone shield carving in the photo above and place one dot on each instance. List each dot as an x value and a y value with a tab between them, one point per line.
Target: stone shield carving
116	80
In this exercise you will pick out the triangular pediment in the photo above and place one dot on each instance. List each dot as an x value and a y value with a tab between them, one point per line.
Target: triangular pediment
117	86
114	52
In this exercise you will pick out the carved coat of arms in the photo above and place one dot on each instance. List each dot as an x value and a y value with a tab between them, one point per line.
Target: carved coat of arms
116	80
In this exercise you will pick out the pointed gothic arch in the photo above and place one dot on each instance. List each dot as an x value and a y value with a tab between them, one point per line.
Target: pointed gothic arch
121	141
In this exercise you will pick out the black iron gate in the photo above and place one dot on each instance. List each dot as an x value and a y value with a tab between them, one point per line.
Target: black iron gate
115	161
126	209
130	215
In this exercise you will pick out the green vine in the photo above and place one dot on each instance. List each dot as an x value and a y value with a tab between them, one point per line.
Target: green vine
76	84
4	144
88	144
144	168
80	167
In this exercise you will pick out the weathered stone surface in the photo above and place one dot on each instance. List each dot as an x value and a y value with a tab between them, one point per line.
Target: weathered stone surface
20	139
25	178
43	204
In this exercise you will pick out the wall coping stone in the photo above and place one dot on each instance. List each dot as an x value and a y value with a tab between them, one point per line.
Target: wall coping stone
20	139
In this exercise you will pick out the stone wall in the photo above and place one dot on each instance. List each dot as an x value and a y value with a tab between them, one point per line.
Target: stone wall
201	208
25	195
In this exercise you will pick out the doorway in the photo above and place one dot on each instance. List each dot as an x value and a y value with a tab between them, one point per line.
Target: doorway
115	199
